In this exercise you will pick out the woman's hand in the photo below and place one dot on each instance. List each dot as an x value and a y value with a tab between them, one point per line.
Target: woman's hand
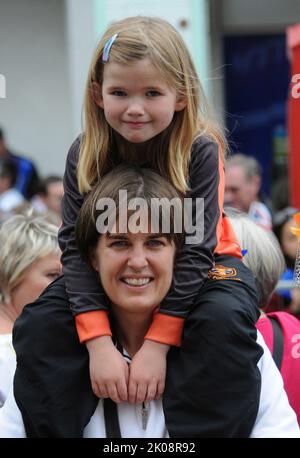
109	371
147	372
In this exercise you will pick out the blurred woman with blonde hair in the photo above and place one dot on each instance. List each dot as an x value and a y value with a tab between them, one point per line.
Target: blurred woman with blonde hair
29	261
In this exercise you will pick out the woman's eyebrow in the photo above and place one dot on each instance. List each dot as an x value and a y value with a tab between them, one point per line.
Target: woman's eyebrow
155	236
112	236
116	236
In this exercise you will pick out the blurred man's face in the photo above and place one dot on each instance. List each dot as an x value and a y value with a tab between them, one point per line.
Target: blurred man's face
3	151
240	192
55	192
5	184
289	241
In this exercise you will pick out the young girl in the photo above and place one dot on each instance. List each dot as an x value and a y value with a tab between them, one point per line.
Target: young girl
144	105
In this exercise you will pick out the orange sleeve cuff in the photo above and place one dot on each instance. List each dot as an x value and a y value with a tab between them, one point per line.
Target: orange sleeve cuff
166	329
92	324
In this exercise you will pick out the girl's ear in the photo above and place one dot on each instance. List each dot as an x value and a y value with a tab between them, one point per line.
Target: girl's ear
97	94
181	103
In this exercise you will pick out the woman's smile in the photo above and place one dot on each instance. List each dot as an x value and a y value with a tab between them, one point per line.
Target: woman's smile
137	282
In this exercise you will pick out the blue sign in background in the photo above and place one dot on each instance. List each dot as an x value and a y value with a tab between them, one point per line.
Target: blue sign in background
257	74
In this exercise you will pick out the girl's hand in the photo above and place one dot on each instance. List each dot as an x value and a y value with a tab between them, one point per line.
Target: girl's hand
108	370
147	372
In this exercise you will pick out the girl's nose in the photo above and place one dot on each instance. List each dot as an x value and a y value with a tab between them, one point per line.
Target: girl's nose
135	108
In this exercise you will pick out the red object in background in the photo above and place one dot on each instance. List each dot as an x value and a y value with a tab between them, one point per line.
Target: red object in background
293	39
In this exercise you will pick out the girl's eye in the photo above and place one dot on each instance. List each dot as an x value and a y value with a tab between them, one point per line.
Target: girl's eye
153	93
119	93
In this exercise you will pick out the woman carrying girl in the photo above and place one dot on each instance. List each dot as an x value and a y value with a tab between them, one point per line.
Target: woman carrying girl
119	259
144	105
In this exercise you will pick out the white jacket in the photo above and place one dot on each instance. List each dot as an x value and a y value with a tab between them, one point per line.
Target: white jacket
275	416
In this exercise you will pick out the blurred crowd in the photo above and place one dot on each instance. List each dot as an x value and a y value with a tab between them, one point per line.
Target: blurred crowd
30	216
243	181
22	188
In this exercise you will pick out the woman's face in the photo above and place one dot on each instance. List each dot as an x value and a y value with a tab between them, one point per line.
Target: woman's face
289	241
35	279
135	269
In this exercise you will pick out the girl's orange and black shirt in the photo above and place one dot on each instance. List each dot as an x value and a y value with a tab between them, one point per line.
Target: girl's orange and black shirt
87	298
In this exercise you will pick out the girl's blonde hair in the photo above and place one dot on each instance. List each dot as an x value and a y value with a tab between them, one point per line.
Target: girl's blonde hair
23	239
155	39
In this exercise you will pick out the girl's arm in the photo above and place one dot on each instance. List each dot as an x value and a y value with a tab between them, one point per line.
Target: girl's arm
87	298
206	181
89	304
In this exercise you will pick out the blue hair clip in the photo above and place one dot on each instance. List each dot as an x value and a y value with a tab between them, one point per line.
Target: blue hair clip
107	47
244	252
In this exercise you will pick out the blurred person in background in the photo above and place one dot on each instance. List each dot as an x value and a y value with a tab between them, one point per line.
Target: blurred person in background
280	194
50	196
242	187
27	175
288	299
10	197
29	262
265	259
26	206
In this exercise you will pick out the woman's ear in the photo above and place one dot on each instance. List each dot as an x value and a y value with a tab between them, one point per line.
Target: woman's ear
94	263
97	94
181	103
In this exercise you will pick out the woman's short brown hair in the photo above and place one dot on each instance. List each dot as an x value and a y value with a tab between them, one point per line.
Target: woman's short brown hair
138	183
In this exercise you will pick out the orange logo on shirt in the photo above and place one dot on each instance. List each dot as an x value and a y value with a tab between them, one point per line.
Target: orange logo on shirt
220	272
